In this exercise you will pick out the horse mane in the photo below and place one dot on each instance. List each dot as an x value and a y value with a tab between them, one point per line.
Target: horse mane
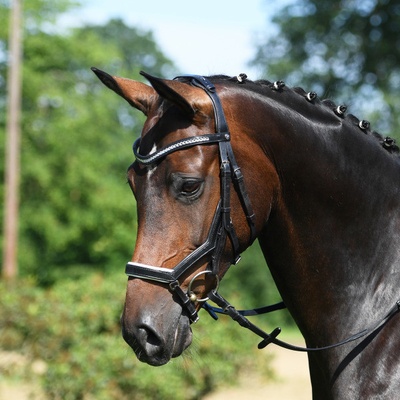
263	86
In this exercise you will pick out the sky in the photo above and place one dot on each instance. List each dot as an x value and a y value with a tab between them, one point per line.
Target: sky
204	37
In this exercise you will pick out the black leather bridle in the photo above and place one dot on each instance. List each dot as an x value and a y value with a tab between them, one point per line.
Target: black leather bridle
221	227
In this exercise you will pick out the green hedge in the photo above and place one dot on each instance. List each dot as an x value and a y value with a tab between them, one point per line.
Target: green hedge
74	328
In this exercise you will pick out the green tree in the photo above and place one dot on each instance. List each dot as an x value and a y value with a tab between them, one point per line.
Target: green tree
348	50
76	209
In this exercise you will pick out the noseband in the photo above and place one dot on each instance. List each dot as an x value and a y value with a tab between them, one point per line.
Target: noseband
221	227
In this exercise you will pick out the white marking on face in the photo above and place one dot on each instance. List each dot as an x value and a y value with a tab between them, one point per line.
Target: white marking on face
154	149
152	167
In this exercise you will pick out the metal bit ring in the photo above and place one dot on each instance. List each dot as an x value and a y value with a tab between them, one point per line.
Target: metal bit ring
192	295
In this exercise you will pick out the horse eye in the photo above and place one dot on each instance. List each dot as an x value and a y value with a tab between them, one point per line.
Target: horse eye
189	188
186	188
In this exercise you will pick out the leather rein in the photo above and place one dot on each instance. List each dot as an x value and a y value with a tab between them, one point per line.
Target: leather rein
220	230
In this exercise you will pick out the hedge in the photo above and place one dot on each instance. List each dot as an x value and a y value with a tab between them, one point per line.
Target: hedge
73	327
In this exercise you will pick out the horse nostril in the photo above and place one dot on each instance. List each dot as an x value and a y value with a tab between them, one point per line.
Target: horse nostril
147	335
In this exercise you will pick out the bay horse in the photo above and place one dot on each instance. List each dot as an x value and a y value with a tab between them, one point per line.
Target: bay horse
223	161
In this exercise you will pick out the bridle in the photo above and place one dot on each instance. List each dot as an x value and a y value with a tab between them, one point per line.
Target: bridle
221	228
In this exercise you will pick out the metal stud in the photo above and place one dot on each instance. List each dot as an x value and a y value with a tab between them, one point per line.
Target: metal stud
311	96
277	85
340	110
364	124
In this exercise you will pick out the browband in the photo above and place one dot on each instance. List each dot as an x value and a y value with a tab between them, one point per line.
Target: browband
178	145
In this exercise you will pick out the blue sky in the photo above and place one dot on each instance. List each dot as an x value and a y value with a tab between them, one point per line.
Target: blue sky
203	37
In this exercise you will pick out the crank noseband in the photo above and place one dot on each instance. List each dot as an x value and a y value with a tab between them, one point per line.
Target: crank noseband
221	227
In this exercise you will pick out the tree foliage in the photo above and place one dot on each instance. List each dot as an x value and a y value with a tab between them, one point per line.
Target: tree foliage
348	50
76	209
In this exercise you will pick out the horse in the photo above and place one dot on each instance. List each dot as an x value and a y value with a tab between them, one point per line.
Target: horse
223	161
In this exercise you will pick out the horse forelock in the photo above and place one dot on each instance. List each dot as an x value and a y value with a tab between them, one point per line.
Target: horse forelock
151	135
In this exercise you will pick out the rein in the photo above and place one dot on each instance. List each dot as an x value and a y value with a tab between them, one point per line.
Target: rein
240	318
221	228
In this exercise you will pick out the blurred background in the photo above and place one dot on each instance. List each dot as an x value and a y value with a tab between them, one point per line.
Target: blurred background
62	283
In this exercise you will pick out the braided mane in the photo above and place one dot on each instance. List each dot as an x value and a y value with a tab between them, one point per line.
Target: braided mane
262	86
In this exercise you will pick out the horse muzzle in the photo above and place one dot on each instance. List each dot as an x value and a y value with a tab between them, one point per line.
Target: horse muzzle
156	335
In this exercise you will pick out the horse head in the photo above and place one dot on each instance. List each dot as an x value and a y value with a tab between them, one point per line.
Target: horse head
191	224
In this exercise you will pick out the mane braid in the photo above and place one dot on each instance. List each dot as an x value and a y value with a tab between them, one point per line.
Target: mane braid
262	86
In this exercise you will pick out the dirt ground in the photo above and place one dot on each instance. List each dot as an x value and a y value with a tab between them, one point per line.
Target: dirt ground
292	380
291	383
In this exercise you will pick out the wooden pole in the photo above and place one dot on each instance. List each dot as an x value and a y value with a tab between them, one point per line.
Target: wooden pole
12	167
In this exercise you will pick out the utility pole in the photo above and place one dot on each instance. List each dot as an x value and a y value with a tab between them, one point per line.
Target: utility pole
12	167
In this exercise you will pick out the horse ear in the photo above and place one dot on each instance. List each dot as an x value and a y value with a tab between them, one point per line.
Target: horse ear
188	98
137	94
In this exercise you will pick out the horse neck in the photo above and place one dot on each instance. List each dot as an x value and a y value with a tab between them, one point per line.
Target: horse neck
333	231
